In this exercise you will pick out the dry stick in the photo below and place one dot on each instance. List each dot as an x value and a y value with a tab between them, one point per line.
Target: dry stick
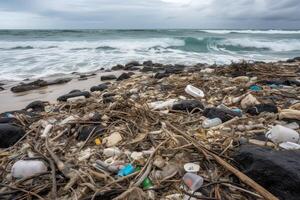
22	190
241	189
244	178
60	165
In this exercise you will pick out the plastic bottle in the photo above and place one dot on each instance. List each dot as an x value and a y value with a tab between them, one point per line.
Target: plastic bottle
208	123
26	168
147	184
193	181
279	134
193	91
104	166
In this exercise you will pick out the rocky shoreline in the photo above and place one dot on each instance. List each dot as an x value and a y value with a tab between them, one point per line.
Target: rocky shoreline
133	135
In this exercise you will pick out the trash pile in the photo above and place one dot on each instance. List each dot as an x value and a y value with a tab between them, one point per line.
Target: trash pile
184	135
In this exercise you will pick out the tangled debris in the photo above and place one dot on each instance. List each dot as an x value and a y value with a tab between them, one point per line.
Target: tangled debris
134	138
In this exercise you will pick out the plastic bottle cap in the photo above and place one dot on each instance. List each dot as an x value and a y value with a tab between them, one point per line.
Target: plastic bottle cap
191	167
97	141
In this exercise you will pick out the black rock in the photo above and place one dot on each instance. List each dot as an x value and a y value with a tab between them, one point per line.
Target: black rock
74	91
9	135
36	106
73	94
86	75
29	86
147	69
288	82
277	171
117	67
296	59
160	75
38	84
105	95
1	88
108	77
256	110
223	114
85	131
166	88
96	117
148	63
8	120
133	63
108	99
59	81
124	76
100	87
175	69
188	106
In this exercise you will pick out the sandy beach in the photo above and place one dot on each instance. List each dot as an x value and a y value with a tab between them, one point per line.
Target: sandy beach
16	101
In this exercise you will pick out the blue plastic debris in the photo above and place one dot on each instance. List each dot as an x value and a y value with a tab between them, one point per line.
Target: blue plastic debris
255	88
126	170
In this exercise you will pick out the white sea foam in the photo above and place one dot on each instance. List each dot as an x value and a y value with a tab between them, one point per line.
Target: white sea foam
273	45
253	31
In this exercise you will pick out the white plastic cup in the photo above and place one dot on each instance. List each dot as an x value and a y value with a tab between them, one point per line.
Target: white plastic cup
279	134
193	91
209	123
26	168
193	181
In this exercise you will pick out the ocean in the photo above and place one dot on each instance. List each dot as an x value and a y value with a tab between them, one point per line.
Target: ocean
41	53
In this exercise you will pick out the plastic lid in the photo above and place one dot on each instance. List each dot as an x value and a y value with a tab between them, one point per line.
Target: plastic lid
191	167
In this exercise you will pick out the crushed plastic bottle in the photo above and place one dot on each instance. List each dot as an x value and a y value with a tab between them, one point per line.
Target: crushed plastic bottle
193	181
209	123
193	91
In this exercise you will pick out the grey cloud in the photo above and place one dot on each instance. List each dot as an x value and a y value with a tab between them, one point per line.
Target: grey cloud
150	13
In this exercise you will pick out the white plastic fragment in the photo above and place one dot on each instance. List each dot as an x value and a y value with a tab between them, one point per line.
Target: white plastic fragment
137	155
209	123
46	131
84	155
289	146
112	152
76	99
160	105
26	168
112	140
193	91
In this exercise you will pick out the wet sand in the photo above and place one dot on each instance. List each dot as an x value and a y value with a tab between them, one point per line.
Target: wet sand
15	101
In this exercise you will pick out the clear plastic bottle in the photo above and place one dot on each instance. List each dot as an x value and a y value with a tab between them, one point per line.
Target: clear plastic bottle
208	123
193	181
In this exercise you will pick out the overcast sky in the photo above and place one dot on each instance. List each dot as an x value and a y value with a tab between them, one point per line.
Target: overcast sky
140	14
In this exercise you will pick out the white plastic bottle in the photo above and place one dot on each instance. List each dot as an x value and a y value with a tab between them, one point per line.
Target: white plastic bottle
209	123
193	181
193	91
26	168
279	134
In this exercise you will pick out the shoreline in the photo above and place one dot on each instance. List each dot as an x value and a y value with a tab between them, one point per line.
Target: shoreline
15	101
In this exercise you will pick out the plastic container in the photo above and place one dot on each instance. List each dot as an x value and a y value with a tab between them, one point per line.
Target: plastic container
193	181
208	123
279	134
26	168
126	170
289	146
193	91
